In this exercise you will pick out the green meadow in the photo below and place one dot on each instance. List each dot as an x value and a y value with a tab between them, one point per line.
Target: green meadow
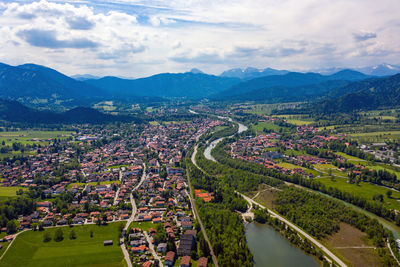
6	192
29	249
27	137
364	190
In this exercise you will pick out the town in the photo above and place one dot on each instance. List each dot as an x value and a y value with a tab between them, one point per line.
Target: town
130	175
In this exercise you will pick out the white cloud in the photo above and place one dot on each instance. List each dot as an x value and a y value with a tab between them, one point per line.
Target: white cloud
138	38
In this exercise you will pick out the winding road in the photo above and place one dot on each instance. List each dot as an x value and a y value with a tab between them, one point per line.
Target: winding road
193	204
130	220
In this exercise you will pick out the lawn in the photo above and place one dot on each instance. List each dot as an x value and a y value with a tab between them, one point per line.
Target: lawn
145	226
324	168
364	190
30	250
11	191
5	244
348	157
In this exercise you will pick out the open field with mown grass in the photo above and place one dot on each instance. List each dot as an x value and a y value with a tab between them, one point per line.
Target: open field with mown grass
364	190
5	244
9	191
265	124
296	119
369	137
29	249
27	137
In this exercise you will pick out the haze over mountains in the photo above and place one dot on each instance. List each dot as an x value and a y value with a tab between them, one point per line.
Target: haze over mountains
45	88
14	111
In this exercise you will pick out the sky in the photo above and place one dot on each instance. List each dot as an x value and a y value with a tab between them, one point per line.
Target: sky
141	38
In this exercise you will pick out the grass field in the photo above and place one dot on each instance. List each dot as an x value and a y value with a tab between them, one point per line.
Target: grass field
94	183
325	168
364	190
393	118
296	119
145	226
26	137
6	192
381	136
265	124
29	249
348	157
290	166
9	191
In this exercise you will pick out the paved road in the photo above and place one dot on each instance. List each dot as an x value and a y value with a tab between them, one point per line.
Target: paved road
312	239
203	230
130	220
151	247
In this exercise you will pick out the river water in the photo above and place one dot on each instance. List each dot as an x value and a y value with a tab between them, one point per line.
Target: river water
269	248
207	151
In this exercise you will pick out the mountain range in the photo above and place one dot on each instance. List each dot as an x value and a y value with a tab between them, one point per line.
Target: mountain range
367	94
45	88
16	112
292	86
251	73
188	85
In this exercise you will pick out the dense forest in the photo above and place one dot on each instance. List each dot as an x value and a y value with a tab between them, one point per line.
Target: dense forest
371	206
317	214
223	225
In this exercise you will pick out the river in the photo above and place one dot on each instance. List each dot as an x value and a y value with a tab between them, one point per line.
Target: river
207	151
270	248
